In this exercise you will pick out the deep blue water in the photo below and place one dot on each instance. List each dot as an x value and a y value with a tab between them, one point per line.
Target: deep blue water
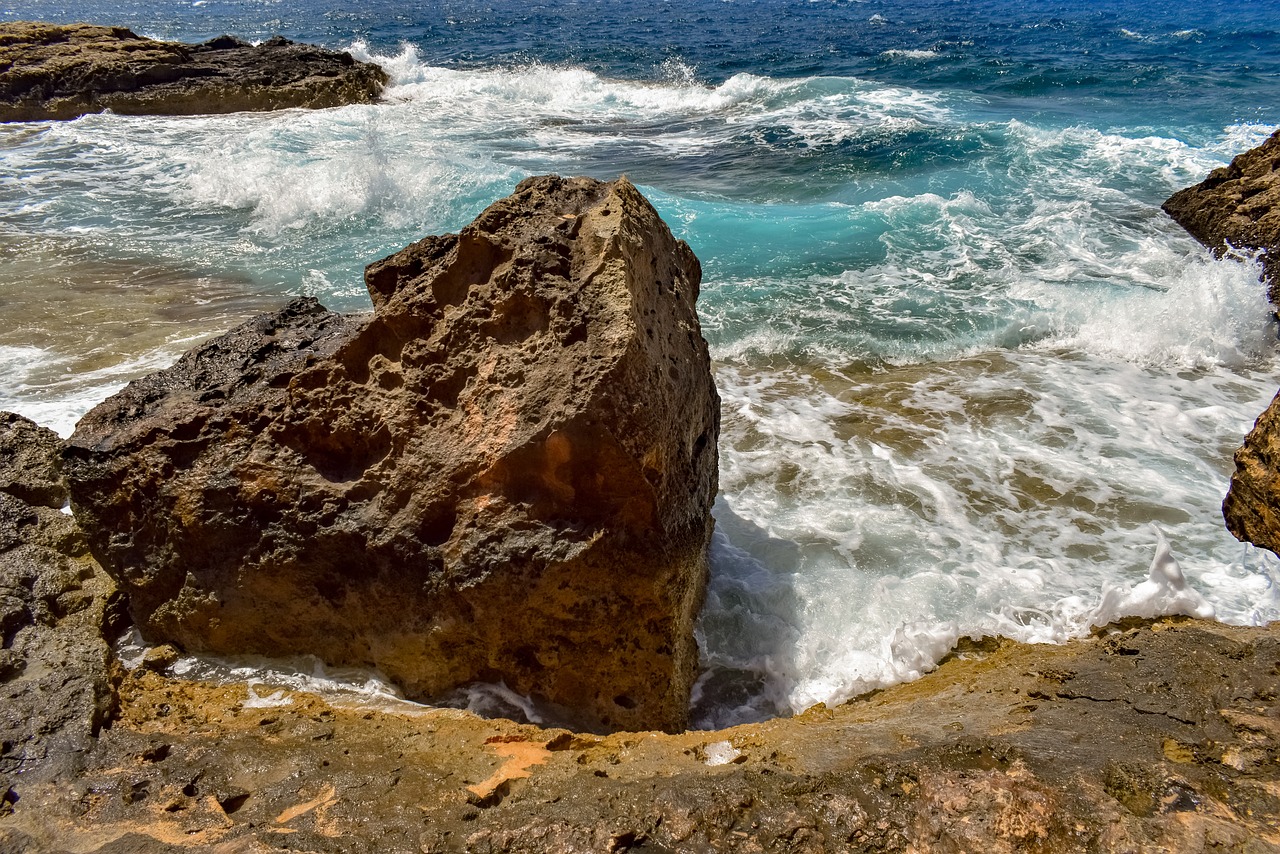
966	361
1172	62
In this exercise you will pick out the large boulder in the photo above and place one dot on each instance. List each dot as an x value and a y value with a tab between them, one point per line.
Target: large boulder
57	71
1239	206
57	683
505	473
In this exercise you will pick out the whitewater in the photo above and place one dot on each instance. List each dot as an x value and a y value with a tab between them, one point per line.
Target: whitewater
974	381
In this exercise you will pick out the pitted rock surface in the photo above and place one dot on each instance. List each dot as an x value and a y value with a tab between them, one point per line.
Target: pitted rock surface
1156	737
61	71
504	474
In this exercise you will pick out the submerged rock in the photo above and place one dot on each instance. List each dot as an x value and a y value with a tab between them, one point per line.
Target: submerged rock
1238	205
56	604
56	71
504	474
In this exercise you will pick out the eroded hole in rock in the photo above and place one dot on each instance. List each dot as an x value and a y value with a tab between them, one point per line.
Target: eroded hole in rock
700	444
158	753
476	261
341	453
518	318
332	590
439	526
446	390
232	804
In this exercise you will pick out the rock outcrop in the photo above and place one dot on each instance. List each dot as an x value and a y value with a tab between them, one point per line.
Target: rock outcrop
56	607
55	71
1238	205
1152	738
1252	506
504	474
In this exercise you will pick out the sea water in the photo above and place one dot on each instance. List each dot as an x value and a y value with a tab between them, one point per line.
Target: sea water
973	378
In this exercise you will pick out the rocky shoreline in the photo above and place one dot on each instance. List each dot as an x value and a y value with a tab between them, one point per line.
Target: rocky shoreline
57	71
1163	736
1149	736
1156	735
1238	208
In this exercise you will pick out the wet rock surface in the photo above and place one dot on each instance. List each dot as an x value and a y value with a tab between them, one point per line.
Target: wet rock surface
55	71
1152	737
56	670
504	474
1238	205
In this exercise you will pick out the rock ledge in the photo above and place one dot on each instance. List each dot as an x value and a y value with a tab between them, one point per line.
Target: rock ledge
56	71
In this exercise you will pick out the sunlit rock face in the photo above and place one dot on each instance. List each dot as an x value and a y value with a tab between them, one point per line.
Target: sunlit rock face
1252	505
505	473
1238	206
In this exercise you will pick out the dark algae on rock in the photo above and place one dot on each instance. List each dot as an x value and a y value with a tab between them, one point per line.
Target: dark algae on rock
505	473
61	71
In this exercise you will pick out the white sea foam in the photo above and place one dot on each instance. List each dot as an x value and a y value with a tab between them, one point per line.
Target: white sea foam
720	753
955	398
1165	592
567	107
874	518
294	171
898	53
267	679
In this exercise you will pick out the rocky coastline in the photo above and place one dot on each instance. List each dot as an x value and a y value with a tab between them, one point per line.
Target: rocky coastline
62	71
434	470
1156	735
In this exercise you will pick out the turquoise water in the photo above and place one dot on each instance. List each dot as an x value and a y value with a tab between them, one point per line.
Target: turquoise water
967	364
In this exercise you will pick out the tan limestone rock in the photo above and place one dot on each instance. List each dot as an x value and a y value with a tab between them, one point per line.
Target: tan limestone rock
504	474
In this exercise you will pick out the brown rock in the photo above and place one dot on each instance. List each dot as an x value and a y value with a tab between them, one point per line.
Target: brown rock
1252	506
54	71
505	473
1239	205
